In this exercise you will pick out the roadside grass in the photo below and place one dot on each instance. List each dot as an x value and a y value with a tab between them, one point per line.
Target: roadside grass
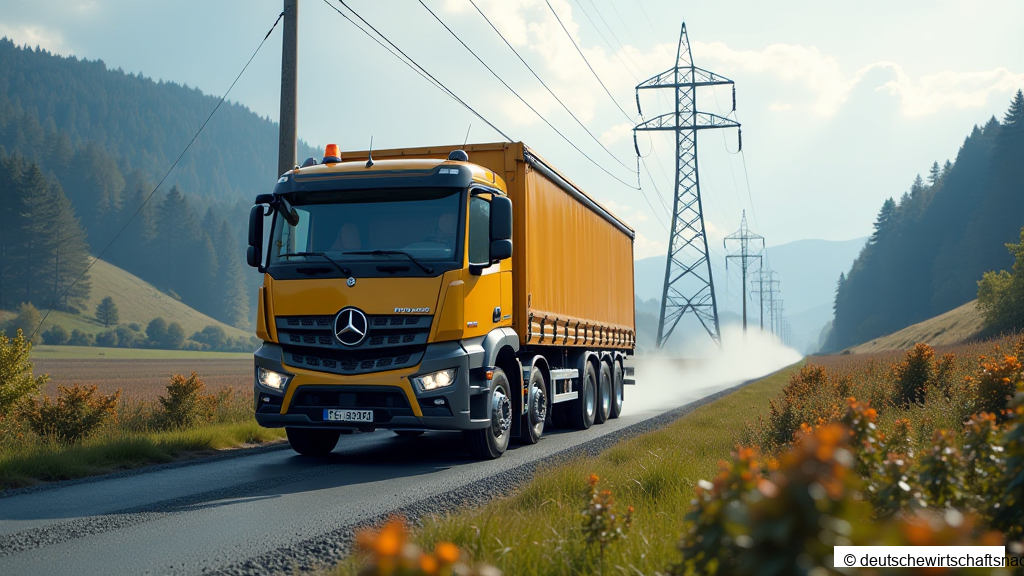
49	352
538	529
34	462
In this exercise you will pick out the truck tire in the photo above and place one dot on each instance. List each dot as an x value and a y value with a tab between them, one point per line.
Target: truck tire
604	394
310	442
582	411
490	442
618	388
532	426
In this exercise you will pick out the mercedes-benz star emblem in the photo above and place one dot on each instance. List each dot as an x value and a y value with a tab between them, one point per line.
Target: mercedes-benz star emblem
351	281
350	326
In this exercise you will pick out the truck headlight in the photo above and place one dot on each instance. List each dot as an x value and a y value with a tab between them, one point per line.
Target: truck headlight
271	379
435	380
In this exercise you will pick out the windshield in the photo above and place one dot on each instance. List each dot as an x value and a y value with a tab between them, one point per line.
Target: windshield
422	222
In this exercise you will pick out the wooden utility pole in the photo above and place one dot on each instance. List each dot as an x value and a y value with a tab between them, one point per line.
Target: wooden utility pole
288	140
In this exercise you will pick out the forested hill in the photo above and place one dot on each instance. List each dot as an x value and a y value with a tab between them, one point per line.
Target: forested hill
140	123
931	247
81	148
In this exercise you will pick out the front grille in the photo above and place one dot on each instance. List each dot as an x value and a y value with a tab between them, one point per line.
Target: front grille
353	361
392	342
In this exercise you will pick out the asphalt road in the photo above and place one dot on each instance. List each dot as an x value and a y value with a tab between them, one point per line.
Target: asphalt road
271	511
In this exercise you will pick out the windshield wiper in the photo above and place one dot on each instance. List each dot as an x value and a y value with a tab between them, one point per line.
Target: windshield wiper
422	266
343	269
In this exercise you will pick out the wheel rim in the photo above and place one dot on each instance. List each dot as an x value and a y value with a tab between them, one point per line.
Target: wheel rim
538	408
501	413
590	396
618	385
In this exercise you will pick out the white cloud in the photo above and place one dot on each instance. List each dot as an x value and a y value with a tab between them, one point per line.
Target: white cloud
823	77
33	36
616	133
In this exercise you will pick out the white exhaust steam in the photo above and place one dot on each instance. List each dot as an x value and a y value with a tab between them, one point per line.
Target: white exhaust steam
666	382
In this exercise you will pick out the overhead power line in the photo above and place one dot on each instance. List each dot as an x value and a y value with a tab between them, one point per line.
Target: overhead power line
523	100
587	62
544	84
408	61
166	174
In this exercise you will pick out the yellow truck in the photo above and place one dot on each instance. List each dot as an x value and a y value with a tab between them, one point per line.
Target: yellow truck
441	288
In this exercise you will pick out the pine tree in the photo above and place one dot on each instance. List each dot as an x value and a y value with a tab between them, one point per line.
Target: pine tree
934	174
70	256
106	312
231	287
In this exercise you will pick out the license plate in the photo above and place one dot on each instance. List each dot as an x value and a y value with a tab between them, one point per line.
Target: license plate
348	415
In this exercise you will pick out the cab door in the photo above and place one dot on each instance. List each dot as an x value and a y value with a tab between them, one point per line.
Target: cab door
483	306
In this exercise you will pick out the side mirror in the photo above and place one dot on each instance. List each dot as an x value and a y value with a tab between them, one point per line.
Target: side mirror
500	250
254	254
501	228
501	218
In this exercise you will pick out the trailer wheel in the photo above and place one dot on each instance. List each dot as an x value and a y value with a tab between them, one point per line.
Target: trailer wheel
536	409
490	442
583	410
604	394
618	389
309	442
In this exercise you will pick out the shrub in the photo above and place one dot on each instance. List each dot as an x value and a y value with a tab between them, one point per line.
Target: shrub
156	332
27	321
128	337
994	383
213	337
56	335
79	338
78	413
1008	486
16	379
913	374
387	552
186	403
107	338
602	523
175	336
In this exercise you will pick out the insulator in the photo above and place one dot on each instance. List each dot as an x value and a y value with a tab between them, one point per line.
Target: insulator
739	136
635	145
638	111
733	97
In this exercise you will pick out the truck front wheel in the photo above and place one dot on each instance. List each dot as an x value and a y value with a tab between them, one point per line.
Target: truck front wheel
310	442
583	410
490	442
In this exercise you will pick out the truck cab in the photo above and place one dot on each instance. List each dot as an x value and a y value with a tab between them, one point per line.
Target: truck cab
387	302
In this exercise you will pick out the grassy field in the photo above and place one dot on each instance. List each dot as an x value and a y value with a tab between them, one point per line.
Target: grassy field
956	326
137	302
537	530
35	462
146	378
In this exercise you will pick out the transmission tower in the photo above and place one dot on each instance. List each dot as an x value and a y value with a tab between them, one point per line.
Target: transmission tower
744	236
689	286
766	289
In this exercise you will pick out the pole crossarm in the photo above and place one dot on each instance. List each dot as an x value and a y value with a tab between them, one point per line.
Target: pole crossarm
698	121
684	77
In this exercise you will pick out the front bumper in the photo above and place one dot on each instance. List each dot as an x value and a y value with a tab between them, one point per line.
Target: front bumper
397	404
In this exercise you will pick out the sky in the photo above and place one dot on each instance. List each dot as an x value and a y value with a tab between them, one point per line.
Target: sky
842	103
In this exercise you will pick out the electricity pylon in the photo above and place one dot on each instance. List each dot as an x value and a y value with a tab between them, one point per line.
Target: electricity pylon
744	236
689	286
766	283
